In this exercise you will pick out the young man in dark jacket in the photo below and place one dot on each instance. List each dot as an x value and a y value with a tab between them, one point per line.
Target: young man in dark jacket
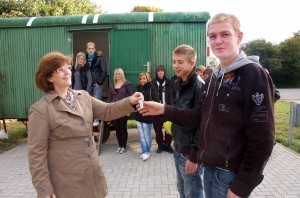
164	87
98	70
235	115
187	90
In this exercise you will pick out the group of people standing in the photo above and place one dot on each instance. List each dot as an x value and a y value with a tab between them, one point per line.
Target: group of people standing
222	128
234	116
157	90
89	73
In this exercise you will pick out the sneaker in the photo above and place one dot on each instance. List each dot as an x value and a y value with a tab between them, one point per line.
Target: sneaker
159	148
141	156
146	156
123	150
96	123
118	150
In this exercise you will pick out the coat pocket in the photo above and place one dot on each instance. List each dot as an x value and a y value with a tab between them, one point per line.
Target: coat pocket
227	104
60	120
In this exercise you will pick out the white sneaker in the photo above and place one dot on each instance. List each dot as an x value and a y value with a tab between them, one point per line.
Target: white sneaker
118	150
141	156
123	150
96	123
146	156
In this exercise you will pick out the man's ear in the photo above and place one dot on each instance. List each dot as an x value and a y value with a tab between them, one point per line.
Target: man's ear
193	63
240	37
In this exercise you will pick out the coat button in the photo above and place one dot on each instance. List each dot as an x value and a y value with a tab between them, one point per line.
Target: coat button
82	123
42	189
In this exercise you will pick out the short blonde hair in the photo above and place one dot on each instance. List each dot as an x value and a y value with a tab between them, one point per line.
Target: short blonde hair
223	18
119	70
186	50
90	43
144	74
200	68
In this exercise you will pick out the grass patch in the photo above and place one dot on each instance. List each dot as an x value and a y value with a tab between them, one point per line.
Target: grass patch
16	133
282	123
131	124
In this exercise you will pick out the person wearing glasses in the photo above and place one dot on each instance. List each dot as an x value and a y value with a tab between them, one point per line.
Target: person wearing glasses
62	156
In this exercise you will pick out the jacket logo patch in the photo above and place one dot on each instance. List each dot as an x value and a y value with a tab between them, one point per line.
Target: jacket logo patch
258	98
223	108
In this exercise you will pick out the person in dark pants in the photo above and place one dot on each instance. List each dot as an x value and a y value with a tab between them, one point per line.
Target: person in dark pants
119	89
164	88
98	70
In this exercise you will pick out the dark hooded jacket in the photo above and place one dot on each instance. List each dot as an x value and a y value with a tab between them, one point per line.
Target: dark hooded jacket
85	77
235	116
167	89
150	94
98	69
124	91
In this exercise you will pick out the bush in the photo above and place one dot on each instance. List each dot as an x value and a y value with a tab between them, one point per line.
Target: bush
131	124
14	138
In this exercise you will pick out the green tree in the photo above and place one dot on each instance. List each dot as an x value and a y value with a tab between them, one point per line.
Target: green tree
28	8
290	60
268	57
267	52
146	9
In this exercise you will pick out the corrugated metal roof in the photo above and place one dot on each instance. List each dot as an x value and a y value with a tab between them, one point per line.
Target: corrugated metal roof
133	17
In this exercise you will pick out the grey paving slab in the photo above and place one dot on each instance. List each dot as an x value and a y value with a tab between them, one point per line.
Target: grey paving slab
128	176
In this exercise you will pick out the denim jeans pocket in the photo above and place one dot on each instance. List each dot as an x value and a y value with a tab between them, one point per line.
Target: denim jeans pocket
224	177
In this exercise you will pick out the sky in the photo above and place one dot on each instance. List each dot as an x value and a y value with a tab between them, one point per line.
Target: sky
272	20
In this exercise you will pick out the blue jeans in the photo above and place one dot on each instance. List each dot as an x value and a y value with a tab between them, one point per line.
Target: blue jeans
145	133
188	185
97	92
217	182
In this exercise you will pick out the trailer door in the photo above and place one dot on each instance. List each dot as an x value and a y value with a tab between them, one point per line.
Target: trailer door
130	50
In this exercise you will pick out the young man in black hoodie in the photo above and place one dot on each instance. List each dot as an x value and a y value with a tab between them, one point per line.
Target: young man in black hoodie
164	87
235	115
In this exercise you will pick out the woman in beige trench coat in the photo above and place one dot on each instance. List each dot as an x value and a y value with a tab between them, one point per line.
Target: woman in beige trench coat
63	160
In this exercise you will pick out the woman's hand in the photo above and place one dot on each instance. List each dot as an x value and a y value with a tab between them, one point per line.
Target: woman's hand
134	98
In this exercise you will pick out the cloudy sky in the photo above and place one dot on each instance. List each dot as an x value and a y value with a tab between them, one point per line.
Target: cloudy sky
273	21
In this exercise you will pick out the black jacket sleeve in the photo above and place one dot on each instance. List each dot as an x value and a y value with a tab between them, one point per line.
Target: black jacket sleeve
103	69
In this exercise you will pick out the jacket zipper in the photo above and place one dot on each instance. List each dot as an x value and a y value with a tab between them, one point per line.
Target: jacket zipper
207	121
227	153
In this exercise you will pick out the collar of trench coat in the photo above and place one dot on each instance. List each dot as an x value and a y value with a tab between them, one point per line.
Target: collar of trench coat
53	97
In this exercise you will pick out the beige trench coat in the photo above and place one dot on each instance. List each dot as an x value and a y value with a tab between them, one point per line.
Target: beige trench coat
62	159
